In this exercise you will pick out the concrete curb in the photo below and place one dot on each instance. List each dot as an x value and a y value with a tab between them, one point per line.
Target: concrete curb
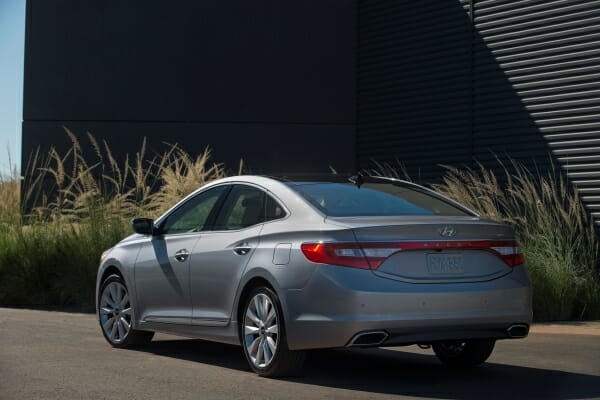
568	328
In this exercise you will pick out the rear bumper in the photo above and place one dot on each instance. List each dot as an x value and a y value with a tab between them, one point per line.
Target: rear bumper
339	303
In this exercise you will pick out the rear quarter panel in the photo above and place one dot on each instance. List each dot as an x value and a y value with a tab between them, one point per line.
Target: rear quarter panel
296	273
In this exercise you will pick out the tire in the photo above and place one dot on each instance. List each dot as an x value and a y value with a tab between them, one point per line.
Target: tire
115	315
262	333
464	354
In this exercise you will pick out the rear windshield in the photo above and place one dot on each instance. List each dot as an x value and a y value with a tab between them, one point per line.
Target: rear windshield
373	199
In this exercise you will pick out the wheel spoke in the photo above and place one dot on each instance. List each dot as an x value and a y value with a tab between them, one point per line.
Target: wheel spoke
107	325
258	308
125	324
272	344
105	310
270	317
252	317
273	330
105	298
266	351
119	294
260	355
113	330
121	329
126	311
113	293
265	308
253	347
124	301
250	330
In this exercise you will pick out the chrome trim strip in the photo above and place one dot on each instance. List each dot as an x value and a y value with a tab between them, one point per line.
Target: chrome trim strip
167	320
209	321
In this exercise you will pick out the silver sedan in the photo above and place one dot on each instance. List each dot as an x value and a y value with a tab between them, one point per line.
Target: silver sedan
280	267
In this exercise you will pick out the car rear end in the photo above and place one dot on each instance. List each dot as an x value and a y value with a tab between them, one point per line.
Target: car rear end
430	275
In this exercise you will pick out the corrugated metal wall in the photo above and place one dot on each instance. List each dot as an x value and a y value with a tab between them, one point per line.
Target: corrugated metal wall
550	54
413	84
452	81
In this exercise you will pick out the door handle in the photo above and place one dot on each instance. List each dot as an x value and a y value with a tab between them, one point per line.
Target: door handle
182	255
242	249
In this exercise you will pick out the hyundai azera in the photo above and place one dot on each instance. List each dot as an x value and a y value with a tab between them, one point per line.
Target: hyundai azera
284	266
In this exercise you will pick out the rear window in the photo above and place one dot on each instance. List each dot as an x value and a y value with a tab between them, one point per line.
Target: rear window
373	199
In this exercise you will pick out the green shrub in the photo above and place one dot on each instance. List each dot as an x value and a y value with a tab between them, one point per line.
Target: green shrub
55	263
50	256
557	236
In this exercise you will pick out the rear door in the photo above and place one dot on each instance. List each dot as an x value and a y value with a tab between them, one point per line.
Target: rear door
221	255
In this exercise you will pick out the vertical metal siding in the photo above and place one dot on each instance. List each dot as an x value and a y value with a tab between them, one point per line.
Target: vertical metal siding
454	81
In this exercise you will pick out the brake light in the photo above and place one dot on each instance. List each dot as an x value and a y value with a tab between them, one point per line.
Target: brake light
510	252
344	254
370	255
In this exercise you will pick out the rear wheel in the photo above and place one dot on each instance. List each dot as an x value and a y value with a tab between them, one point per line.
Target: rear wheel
263	336
115	314
469	353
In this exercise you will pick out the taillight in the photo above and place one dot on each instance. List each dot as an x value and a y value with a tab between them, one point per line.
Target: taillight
358	255
370	255
344	254
509	251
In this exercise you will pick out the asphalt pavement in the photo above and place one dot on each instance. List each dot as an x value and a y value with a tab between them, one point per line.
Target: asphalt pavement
57	355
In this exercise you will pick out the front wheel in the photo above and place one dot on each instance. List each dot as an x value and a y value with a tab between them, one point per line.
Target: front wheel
469	353
115	315
263	336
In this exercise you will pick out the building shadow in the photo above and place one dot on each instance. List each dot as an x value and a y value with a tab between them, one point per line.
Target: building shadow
385	371
434	88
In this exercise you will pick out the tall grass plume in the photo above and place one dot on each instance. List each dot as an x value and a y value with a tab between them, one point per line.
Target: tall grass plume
74	207
558	237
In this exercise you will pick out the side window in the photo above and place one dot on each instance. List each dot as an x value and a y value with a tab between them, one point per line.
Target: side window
273	210
244	207
193	215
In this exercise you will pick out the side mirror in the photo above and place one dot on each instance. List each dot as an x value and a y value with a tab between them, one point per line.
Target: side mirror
144	226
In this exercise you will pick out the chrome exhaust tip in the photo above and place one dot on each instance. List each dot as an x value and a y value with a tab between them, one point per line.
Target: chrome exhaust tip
516	331
368	339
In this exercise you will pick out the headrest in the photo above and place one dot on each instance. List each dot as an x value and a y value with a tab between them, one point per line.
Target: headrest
250	201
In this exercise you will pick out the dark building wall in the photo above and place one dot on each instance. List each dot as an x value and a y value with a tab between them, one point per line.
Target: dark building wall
269	81
296	86
414	104
432	92
549	53
459	81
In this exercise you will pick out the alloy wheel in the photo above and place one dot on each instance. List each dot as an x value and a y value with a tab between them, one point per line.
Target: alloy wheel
115	312
261	332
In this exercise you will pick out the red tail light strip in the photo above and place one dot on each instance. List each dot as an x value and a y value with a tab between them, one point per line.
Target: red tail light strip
370	255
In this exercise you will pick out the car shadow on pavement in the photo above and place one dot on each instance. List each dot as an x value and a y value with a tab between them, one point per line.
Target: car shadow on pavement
401	373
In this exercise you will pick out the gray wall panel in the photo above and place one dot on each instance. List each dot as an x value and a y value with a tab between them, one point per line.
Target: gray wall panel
549	52
265	148
414	103
517	78
256	67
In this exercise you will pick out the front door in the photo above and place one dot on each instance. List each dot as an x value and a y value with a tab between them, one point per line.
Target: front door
162	269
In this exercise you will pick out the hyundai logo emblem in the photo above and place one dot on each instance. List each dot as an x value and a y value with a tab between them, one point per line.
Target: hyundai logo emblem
447	231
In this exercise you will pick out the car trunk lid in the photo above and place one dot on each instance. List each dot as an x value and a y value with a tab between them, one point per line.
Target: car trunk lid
434	249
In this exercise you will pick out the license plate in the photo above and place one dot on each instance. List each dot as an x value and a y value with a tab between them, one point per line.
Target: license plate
445	264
